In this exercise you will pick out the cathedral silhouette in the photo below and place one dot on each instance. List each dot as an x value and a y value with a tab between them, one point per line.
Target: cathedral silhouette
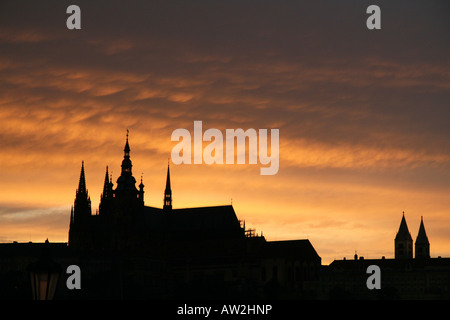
130	250
188	247
124	222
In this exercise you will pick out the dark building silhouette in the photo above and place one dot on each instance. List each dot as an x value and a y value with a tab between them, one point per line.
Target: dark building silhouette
124	222
404	242
201	251
131	250
403	277
416	279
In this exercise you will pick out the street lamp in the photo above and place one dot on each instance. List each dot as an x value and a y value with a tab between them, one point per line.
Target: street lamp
44	275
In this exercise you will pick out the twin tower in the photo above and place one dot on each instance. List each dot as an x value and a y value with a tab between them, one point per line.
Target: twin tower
404	242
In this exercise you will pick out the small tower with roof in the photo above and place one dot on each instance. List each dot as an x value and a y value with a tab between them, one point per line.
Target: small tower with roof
422	245
403	241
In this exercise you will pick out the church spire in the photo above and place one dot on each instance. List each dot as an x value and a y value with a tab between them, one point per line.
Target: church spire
80	213
107	195
126	181
168	192
422	245
82	204
403	232
107	188
403	241
127	146
126	163
82	182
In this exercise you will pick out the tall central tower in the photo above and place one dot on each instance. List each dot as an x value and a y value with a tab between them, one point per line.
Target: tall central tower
126	181
80	214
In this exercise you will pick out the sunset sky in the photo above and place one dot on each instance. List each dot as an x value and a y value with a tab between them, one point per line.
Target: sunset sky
363	115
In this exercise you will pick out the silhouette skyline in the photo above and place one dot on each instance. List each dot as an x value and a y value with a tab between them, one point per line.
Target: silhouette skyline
363	114
129	250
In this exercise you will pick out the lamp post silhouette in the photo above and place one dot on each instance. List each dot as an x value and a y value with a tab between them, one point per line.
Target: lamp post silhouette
44	275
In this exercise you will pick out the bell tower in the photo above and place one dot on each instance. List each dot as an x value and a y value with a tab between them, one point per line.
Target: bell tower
422	245
82	203
403	241
80	214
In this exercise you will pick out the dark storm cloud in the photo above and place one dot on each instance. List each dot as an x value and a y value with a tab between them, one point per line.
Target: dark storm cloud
311	68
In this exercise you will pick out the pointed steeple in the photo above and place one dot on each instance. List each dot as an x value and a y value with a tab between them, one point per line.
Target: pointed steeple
403	241
168	179
106	186
422	235
82	203
168	192
422	245
82	182
141	191
126	181
106	196
80	214
127	146
403	232
126	163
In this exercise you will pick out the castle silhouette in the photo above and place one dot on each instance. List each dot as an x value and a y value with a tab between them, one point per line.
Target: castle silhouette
124	222
131	250
199	249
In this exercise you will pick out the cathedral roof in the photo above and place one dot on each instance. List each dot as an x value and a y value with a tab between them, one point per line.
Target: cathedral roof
290	249
215	221
217	217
